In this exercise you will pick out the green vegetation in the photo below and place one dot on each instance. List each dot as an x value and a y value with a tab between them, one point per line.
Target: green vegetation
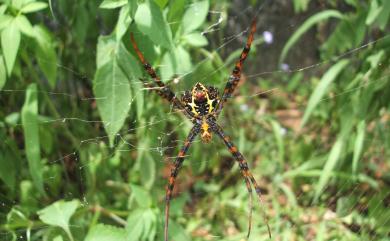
85	147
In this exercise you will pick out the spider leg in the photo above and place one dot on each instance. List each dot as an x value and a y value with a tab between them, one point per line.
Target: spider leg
176	105
236	73
175	170
243	167
163	90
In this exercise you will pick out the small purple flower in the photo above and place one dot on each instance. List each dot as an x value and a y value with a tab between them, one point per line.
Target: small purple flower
284	67
268	37
244	107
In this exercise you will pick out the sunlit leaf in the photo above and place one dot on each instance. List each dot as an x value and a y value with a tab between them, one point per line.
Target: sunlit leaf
150	21
141	225
31	135
46	54
123	23
374	11
103	232
141	196
322	87
112	89
112	4
59	214
195	16
24	25
196	39
329	167
33	7
5	20
10	40
316	18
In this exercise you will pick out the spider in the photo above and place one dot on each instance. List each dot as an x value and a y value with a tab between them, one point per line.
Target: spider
202	106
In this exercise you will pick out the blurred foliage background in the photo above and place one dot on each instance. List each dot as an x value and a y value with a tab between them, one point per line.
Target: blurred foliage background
85	149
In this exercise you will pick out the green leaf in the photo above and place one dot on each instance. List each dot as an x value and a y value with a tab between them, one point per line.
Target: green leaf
196	39
175	13
10	40
359	141
150	21
112	4
195	16
24	25
141	225
8	168
33	7
175	62
103	232
46	54
161	3
141	196
106	50
322	87
330	164
305	27
112	90
177	232
373	12
133	6
3	72
5	20
59	214
277	130
123	23
31	135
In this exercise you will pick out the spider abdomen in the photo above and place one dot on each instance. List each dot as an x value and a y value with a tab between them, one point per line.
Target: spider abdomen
201	100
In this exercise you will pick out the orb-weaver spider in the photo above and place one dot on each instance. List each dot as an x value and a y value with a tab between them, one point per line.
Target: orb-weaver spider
202	105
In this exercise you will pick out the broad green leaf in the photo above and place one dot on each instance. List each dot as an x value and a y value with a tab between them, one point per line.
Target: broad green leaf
383	17
195	16
196	39
103	232
3	72
322	87
46	54
321	16
24	25
150	21
175	13
141	196
17	3
3	8
175	62
106	50
330	164
10	40
123	23
146	163
58	238
177	232
17	218
31	136
359	141
5	20
161	3
59	214
133	5
141	225
112	89
33	7
374	11
112	3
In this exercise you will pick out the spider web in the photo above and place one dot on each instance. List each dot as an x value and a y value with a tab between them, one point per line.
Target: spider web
263	66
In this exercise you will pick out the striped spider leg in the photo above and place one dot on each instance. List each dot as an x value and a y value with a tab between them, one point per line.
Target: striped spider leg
175	170
236	73
246	173
163	90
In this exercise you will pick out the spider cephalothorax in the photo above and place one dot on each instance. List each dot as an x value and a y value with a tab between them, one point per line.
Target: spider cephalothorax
202	105
201	101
